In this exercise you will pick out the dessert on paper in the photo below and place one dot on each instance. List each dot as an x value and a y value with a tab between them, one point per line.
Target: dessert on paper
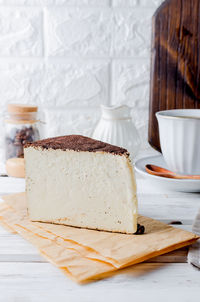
87	255
78	181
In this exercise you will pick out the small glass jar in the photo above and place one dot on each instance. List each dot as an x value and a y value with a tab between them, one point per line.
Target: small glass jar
21	126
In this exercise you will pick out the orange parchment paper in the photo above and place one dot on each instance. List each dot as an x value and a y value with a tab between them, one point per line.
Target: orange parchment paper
86	255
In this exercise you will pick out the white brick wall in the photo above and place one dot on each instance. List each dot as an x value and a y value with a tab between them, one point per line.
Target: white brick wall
70	56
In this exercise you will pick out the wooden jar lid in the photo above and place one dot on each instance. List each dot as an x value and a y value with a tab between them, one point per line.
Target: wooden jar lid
21	108
15	167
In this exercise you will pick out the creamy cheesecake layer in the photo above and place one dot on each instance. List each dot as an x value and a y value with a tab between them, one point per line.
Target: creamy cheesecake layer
81	188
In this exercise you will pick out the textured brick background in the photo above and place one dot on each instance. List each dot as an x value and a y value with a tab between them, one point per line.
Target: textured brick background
70	56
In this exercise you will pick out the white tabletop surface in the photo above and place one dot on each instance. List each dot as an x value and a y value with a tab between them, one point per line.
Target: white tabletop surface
25	276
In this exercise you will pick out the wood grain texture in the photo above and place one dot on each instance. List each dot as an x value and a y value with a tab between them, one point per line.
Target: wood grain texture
175	64
41	282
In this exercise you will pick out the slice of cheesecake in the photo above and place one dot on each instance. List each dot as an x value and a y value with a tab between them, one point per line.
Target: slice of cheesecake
78	181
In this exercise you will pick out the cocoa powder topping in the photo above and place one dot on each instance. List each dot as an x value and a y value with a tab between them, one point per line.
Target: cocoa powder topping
77	143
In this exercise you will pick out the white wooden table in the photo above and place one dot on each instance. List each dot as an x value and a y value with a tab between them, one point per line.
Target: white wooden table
25	276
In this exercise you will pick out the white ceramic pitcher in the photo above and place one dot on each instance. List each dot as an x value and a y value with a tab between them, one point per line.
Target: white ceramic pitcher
117	128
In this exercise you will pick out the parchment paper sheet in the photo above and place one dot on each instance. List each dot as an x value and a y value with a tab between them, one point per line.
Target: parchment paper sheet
86	255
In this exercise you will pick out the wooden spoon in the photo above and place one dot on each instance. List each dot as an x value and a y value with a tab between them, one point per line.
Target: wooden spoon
158	171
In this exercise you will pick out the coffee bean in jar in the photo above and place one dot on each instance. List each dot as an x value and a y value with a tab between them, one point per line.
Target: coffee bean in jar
21	126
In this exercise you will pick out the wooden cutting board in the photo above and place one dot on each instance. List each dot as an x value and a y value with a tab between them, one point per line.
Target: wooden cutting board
175	60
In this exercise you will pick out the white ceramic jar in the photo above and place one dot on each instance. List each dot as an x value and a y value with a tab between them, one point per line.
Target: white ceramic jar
180	139
117	128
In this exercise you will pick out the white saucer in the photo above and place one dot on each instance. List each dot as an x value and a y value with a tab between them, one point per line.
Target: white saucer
181	185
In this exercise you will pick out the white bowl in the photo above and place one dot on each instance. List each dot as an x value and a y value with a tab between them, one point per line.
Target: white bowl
179	132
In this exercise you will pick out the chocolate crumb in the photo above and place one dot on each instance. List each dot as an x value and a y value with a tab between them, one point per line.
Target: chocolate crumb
140	229
176	222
